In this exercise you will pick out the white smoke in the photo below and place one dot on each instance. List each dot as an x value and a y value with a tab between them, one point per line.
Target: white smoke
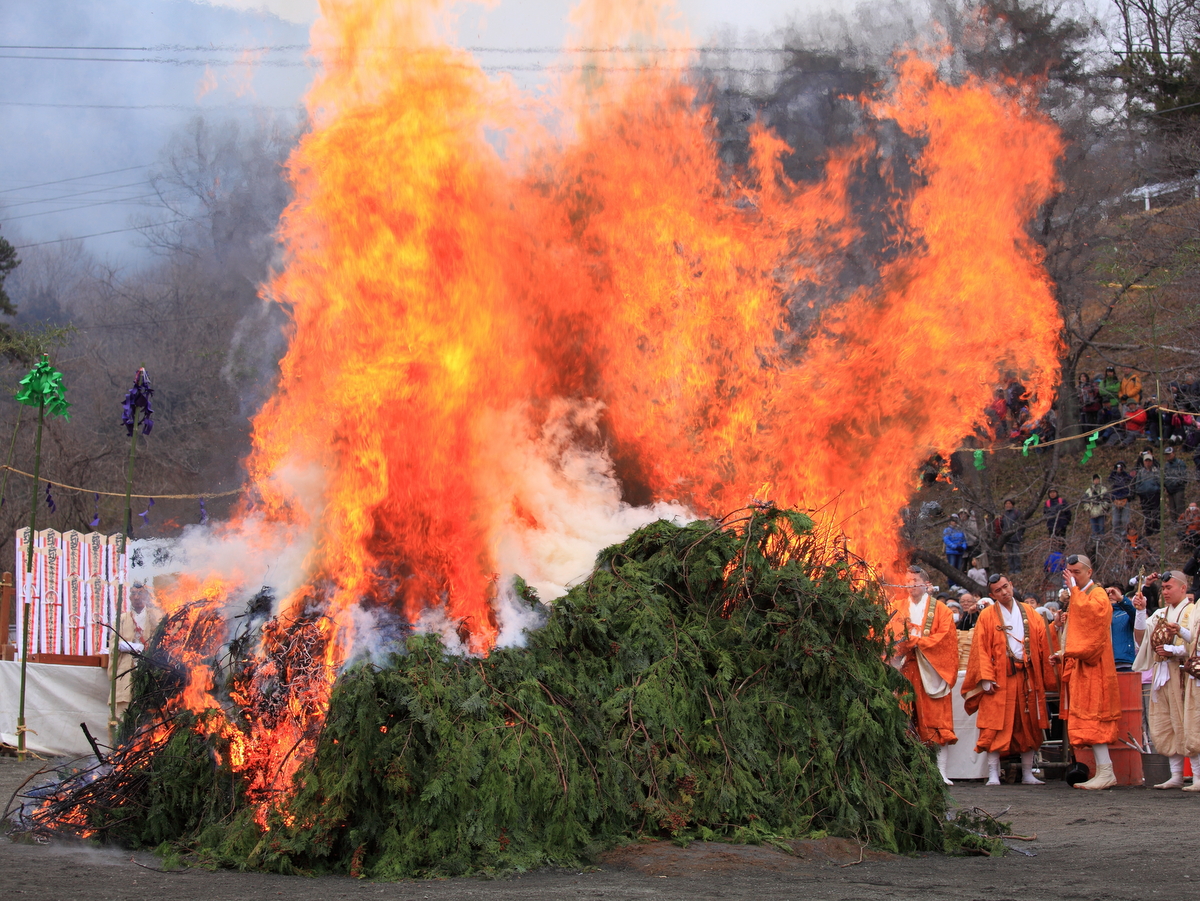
554	500
555	503
246	555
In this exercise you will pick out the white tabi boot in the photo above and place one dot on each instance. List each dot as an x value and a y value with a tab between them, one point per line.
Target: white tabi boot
1027	777
993	768
943	759
1176	780
1104	778
1195	786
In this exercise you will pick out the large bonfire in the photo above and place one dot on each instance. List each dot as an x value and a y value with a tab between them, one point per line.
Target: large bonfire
506	311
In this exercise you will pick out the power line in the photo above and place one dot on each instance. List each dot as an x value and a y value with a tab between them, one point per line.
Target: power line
544	67
136	201
171	61
281	48
114	231
132	184
60	181
182	107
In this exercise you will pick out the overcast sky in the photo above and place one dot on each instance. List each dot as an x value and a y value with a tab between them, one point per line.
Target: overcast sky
94	89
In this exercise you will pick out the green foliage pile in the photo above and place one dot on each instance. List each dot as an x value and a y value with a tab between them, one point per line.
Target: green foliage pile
696	686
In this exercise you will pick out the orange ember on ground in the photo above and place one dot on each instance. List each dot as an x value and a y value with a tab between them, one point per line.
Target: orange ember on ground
437	282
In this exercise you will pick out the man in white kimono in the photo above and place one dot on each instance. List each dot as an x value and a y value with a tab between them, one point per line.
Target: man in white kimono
1169	639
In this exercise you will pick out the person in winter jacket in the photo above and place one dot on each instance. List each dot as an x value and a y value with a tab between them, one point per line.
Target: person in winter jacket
1096	502
954	542
1012	532
1119	481
1057	514
1175	478
1147	485
1189	528
1089	400
1109	388
1131	389
970	528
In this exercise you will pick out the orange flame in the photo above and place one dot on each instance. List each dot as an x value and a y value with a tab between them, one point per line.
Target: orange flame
437	282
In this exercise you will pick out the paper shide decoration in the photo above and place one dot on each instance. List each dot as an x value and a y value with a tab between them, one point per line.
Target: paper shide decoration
138	398
1091	446
43	387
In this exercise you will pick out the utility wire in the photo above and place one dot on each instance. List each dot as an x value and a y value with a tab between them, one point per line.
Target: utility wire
139	200
132	228
77	194
176	48
183	107
73	178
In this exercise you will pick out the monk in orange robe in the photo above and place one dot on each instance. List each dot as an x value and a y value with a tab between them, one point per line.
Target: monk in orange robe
1091	699
1005	684
925	651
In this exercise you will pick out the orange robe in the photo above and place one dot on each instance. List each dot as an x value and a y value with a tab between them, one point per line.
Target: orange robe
933	717
1091	699
1012	718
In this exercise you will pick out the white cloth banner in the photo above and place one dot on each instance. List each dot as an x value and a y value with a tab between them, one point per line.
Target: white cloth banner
73	590
57	700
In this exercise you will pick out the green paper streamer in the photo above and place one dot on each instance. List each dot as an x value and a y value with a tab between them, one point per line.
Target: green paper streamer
1031	441
979	464
43	386
1091	446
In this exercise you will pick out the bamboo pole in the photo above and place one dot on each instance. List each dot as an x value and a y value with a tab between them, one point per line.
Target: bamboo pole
115	656
37	470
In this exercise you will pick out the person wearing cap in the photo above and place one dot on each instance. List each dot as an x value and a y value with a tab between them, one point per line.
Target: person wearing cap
925	651
1119	482
1170	638
1090	700
1147	487
1175	479
954	542
1007	676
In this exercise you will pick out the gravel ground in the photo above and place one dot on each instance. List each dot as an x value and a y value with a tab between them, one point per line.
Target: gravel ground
1125	843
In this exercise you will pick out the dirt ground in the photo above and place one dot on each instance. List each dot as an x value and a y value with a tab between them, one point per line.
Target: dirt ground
1125	843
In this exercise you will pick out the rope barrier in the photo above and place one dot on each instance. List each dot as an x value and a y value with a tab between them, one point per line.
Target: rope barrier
1082	435
154	497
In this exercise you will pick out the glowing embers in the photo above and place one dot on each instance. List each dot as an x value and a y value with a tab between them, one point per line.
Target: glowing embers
252	700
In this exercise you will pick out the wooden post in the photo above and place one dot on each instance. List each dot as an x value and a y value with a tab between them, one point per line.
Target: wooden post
6	616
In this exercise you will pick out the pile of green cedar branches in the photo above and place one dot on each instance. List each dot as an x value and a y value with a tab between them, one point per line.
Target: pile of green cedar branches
710	681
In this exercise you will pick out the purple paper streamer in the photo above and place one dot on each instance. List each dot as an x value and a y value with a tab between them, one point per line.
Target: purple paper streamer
95	523
203	513
50	500
138	397
145	514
